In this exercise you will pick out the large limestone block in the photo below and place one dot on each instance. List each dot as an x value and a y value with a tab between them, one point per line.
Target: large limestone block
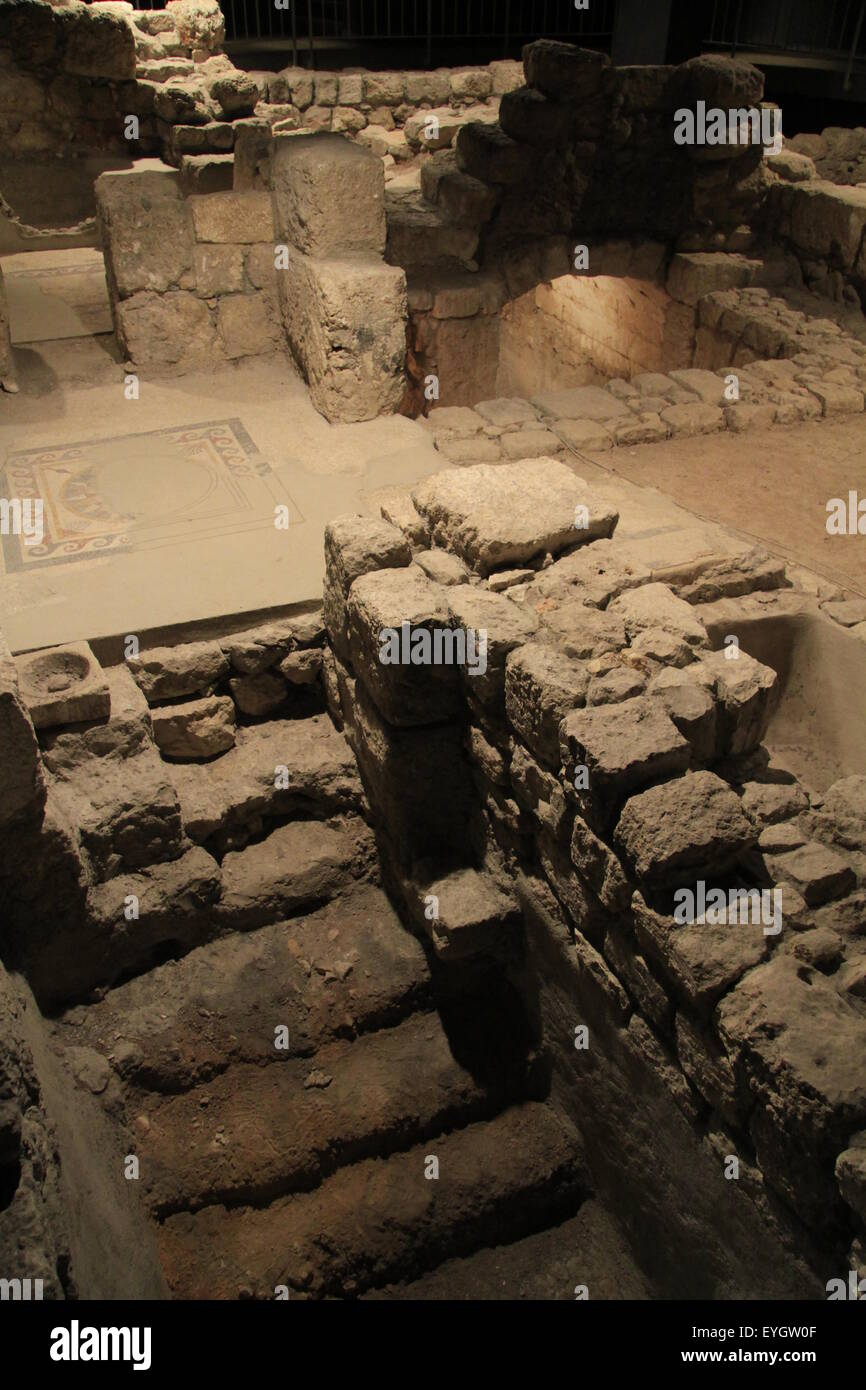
719	81
485	152
746	692
297	865
328	195
98	44
542	685
235	218
421	686
655	606
563	71
699	961
278	768
495	516
475	915
621	748
199	23
346	322
198	729
594	575
418	780
22	788
192	668
125	808
356	545
827	220
146	231
498	626
582	403
678	831
167	329
799	1044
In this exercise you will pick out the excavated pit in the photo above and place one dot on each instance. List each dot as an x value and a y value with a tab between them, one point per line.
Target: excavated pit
328	976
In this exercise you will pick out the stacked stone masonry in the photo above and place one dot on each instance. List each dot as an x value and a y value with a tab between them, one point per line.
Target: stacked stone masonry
595	665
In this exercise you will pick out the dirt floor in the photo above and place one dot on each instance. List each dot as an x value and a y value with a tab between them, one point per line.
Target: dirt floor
772	485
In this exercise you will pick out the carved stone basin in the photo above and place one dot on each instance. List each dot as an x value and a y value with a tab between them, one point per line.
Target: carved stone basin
63	685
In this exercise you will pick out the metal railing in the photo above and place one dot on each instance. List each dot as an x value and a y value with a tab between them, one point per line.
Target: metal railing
423	24
830	29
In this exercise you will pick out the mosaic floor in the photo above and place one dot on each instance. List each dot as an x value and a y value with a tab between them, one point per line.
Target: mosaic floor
142	491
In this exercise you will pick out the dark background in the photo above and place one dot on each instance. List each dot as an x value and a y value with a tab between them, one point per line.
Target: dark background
813	52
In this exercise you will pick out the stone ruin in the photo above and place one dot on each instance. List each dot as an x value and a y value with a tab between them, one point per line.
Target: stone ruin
281	919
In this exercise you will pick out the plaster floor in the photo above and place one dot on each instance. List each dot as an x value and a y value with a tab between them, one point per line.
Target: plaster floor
56	294
161	511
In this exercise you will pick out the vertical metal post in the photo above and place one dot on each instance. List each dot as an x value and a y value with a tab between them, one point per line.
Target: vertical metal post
736	38
846	85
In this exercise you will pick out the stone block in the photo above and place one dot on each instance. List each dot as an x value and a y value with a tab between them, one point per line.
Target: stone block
533	119
541	686
97	44
563	71
199	729
329	195
701	962
239	218
683	830
146	231
166	329
245	325
22	790
582	403
357	545
498	516
654	606
63	685
165	673
622	747
599	867
498	626
745	692
346	323
218	270
485	152
403	646
475	915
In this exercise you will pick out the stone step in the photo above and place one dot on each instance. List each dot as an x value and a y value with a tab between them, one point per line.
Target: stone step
296	867
255	1133
385	1219
588	1250
346	969
279	768
421	233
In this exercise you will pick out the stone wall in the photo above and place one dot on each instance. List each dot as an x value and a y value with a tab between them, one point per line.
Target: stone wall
546	806
192	279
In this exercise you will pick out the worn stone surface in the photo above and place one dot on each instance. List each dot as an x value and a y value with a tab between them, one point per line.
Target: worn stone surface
275	768
147	233
199	729
680	830
496	516
163	673
702	961
798	1045
258	695
623	747
497	622
818	873
474	914
745	692
329	195
407	691
541	686
345	318
22	791
297	865
656	606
